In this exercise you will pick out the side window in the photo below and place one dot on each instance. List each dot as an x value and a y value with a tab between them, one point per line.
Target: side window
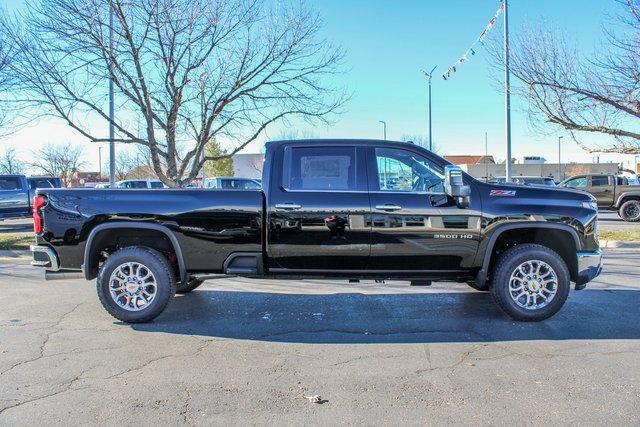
156	184
320	168
10	183
579	182
599	180
400	170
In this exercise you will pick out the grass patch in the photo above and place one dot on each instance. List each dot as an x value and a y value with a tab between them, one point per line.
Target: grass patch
16	241
621	235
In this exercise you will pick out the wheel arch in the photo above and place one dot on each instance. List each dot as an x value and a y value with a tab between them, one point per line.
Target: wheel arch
625	197
91	251
548	231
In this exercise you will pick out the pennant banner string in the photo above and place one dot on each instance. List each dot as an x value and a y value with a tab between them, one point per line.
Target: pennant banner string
474	47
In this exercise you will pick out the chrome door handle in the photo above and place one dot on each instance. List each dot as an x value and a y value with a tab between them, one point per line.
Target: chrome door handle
388	207
288	206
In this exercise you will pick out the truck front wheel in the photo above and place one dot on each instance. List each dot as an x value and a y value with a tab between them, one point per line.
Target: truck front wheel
630	211
530	282
135	284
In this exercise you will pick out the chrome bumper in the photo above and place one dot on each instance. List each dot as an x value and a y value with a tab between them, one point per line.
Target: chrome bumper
589	267
44	256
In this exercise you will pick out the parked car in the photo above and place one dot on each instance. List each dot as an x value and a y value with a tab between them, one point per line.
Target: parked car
611	192
326	211
17	192
232	183
140	183
525	180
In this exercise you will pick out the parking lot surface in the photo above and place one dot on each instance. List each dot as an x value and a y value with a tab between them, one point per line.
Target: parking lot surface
238	351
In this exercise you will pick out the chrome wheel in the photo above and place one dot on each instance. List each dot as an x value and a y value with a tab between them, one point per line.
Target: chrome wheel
533	284
132	286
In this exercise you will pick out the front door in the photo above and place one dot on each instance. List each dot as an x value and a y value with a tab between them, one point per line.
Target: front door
319	211
415	226
602	189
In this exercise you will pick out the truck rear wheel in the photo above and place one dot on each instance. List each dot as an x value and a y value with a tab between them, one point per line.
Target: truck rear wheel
135	284
530	282
630	211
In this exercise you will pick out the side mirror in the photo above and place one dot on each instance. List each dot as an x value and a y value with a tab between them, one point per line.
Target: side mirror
455	187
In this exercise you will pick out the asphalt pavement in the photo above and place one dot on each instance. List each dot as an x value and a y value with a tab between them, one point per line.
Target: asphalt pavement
239	351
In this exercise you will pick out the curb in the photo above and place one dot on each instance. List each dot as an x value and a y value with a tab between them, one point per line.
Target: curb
617	244
15	254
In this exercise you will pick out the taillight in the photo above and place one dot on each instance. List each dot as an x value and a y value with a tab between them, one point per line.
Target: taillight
39	202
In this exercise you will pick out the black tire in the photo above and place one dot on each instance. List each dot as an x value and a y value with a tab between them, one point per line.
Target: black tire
185	288
507	264
630	211
152	260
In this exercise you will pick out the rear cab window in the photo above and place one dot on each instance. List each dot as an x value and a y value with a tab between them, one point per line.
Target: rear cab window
322	169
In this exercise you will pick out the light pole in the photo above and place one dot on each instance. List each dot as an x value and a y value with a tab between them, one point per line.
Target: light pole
384	128
559	159
112	144
507	92
100	164
486	155
429	77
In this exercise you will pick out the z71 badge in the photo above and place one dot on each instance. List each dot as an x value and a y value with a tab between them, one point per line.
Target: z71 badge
502	193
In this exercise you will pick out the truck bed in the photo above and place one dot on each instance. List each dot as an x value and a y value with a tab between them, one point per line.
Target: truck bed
208	224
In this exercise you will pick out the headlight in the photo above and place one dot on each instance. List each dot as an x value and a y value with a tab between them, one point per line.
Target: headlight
590	205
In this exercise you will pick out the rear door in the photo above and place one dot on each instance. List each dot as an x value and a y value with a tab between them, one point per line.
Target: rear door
601	186
415	226
318	209
14	197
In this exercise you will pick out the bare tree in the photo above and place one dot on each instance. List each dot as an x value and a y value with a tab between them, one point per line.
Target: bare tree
599	95
10	163
62	161
420	140
188	70
5	58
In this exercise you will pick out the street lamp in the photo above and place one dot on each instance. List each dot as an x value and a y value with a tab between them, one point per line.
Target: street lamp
559	139
429	76
384	128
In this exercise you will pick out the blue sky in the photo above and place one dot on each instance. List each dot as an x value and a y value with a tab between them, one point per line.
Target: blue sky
388	42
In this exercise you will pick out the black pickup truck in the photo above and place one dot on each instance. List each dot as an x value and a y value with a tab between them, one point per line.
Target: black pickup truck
340	209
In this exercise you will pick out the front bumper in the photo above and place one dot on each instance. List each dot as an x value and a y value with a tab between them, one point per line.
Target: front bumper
589	267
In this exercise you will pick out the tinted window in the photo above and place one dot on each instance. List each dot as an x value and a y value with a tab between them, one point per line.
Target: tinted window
156	184
8	183
40	183
579	182
320	168
400	170
599	180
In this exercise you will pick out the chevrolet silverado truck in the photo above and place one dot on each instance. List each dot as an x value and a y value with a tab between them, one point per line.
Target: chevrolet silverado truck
338	209
17	191
611	193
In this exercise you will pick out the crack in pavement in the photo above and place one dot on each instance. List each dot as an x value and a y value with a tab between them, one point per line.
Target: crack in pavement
66	387
48	336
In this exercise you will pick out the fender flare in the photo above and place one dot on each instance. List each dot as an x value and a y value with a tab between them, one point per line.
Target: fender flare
621	198
481	276
88	249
